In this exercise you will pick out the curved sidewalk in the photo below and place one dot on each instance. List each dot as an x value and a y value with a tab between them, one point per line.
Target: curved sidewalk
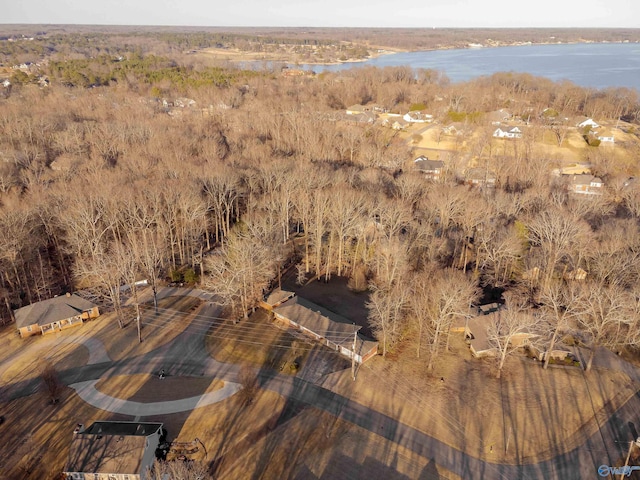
90	394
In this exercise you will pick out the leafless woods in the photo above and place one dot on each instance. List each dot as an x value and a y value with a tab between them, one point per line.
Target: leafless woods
103	186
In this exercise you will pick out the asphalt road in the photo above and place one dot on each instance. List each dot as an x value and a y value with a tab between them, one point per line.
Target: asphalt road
187	355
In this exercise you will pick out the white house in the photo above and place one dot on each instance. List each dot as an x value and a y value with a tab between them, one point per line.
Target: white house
589	122
507	132
417	117
605	136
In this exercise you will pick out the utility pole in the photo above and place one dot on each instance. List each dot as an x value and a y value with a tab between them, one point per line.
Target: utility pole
353	355
138	319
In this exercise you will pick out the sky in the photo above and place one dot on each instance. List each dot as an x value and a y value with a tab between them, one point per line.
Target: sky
327	13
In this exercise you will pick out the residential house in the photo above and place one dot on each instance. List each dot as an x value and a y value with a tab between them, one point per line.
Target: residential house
586	122
585	184
53	315
326	327
507	132
296	72
605	136
456	128
578	274
399	124
417	117
476	333
113	451
498	116
366	118
275	299
481	178
432	169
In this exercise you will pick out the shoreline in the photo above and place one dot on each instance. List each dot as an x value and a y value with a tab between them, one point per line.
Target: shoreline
237	56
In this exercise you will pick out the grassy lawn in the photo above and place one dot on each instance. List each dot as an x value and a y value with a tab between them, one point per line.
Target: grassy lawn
22	359
260	343
145	388
529	415
123	342
38	434
313	444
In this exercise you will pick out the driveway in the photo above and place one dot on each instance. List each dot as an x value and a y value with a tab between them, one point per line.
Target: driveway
187	355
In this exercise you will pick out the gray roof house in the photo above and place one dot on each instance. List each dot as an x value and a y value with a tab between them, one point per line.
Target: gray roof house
329	328
431	168
53	315
113	450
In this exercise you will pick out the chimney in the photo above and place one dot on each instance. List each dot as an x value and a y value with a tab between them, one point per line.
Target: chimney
68	294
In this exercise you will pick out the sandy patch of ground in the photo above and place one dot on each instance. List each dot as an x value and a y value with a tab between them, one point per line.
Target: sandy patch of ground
529	415
289	57
146	388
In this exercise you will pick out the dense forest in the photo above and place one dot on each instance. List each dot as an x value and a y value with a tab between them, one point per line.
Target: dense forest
172	171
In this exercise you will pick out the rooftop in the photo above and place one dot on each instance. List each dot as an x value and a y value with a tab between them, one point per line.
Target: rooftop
52	310
110	447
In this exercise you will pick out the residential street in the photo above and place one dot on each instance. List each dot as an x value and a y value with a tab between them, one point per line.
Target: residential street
187	355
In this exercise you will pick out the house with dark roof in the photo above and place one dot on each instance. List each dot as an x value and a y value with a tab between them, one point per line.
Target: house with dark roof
113	451
326	327
432	169
53	315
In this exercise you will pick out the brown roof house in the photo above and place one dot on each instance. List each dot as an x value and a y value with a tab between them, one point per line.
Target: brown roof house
586	185
113	451
480	177
476	332
53	315
331	329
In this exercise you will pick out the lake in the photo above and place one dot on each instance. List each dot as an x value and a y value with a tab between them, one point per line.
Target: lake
598	65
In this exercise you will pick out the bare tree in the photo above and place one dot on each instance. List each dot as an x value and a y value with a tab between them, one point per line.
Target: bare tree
51	385
386	313
507	330
560	302
557	234
240	271
438	297
602	315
